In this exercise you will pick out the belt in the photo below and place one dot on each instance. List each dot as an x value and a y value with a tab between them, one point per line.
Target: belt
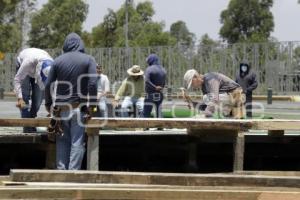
69	106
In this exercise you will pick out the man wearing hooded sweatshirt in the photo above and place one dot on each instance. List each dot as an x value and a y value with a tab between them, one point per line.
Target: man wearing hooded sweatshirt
155	79
246	78
75	73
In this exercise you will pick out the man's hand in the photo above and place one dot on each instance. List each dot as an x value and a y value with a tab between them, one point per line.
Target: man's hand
115	103
20	103
186	98
158	88
184	94
48	109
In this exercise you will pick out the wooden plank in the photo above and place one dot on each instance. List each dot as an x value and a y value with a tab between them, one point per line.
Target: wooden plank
155	178
22	138
271	124
3	179
51	156
93	153
223	124
137	193
192	123
276	133
270	173
239	148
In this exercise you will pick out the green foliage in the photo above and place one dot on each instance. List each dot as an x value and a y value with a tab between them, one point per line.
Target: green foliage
247	21
142	30
55	21
207	41
207	50
145	10
10	39
183	36
7	10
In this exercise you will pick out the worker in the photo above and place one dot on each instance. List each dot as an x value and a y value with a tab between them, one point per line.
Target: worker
103	89
222	95
132	92
246	78
33	66
76	77
155	80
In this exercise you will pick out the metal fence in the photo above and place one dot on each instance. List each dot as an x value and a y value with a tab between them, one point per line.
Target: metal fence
277	64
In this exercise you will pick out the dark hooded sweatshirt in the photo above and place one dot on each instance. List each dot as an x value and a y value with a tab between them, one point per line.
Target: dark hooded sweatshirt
247	80
155	74
71	70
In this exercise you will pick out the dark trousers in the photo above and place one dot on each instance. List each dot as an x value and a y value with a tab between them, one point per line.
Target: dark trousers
153	99
249	106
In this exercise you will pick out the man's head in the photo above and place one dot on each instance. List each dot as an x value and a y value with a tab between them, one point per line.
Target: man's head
73	42
244	66
193	79
152	59
99	69
135	71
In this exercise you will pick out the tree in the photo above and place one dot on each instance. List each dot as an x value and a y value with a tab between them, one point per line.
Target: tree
142	30
145	10
105	34
12	15
183	36
55	21
247	21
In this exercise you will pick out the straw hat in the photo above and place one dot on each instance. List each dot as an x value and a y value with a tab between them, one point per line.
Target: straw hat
135	70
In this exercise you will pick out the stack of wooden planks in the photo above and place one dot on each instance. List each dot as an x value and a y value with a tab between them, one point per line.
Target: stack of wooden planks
45	184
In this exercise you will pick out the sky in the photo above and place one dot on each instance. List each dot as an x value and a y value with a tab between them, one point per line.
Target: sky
201	16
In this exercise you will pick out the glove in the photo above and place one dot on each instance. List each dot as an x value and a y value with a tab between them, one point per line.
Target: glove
89	113
20	103
91	131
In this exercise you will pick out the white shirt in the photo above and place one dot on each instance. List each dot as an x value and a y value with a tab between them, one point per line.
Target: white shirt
29	60
103	85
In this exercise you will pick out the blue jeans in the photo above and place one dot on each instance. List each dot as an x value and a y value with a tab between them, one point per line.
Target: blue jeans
31	91
70	146
153	99
103	107
129	102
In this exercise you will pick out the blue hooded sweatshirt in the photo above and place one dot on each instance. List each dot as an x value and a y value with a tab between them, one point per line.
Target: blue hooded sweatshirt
71	70
155	74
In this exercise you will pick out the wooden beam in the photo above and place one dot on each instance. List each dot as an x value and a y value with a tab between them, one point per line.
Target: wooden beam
154	178
142	123
50	162
107	193
31	138
276	133
93	153
270	173
274	124
171	123
238	151
192	123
